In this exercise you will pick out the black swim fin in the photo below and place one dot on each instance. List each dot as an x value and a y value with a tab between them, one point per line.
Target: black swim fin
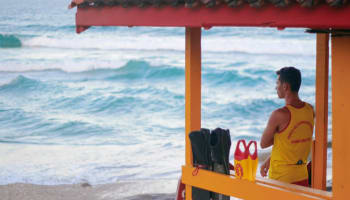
220	144
201	158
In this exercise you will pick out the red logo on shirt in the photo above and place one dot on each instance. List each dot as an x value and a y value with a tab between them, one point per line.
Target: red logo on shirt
239	170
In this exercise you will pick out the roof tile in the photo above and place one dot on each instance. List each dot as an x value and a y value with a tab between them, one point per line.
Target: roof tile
197	3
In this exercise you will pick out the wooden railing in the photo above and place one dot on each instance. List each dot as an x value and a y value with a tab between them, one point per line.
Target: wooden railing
260	189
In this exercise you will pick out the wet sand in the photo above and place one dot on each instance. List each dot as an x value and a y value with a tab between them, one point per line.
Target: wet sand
126	190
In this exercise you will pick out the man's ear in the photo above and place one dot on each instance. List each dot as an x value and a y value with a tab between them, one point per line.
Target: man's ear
285	86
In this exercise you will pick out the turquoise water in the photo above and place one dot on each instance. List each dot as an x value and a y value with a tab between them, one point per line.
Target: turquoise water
108	104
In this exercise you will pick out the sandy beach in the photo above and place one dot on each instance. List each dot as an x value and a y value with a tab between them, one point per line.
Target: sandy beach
126	190
145	190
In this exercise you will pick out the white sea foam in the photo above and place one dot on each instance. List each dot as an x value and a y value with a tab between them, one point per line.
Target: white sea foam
94	164
81	53
112	49
252	45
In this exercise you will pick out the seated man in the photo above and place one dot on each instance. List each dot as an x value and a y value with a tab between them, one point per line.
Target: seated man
289	130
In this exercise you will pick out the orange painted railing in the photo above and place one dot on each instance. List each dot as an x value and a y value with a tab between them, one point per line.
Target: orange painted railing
260	189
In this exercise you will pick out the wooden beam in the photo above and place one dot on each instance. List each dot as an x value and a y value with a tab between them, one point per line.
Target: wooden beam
340	116
319	162
244	189
193	91
321	17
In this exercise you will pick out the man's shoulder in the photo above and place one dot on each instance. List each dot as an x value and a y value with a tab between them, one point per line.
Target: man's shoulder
309	104
280	113
311	108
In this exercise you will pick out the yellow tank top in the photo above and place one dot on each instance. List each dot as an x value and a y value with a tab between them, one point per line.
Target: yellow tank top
292	146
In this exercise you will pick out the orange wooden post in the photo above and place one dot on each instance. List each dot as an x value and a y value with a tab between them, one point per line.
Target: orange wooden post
340	116
193	91
319	160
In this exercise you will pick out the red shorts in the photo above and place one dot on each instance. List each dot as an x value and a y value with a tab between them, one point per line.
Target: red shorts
302	183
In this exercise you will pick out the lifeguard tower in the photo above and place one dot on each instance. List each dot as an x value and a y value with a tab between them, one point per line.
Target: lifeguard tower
326	18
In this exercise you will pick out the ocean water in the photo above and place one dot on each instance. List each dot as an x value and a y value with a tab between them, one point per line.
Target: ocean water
108	105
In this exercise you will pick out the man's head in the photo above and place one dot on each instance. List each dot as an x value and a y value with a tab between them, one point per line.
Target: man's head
289	79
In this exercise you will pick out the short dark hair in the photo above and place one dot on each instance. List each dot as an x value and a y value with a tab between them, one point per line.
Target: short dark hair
290	75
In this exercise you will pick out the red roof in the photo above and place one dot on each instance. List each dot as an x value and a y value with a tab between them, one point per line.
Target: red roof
314	14
207	3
